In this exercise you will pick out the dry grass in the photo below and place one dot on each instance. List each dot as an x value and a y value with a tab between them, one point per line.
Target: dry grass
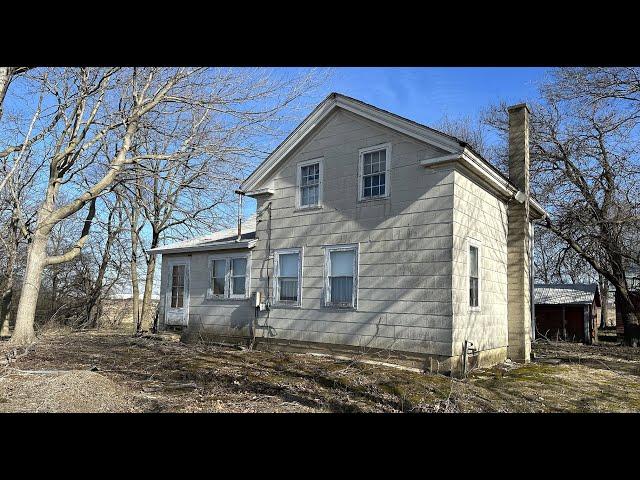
103	371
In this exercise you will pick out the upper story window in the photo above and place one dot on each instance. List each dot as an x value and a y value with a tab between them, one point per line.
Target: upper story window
309	184
341	275
229	276
474	275
288	276
374	172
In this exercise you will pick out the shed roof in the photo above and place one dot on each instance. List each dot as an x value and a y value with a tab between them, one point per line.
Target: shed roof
565	294
220	240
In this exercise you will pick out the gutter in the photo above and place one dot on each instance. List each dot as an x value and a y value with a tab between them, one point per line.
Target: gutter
232	245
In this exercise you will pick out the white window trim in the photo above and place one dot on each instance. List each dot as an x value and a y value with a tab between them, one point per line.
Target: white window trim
276	277
327	272
320	161
228	295
387	178
474	243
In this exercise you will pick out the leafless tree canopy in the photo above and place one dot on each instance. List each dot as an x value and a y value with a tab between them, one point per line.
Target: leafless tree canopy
89	150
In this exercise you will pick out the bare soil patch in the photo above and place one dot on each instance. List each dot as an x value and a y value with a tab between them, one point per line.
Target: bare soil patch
110	371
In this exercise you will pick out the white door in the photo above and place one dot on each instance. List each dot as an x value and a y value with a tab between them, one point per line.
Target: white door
177	299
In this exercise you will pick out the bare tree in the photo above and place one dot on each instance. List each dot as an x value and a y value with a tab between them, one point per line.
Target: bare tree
100	115
7	74
471	131
584	148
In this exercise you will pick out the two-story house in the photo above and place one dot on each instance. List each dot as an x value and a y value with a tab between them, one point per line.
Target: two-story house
372	234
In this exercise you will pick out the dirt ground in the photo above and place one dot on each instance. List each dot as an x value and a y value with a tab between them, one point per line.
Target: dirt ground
108	371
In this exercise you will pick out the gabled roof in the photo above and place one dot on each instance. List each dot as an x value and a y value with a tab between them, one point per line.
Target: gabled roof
565	294
220	240
455	150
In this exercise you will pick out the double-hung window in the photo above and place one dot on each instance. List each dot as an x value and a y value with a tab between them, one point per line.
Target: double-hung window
474	275
374	172
288	277
341	276
309	192
229	276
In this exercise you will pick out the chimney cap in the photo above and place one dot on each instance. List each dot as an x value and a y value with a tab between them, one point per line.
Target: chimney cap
518	107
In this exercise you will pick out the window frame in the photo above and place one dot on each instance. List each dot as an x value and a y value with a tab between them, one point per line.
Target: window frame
477	244
228	280
306	163
387	171
276	277
327	273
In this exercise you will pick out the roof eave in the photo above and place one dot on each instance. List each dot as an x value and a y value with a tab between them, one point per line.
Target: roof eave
233	245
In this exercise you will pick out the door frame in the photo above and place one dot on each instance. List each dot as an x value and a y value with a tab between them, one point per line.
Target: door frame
186	261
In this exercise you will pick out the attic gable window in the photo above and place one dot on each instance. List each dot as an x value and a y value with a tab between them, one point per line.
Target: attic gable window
374	172
309	193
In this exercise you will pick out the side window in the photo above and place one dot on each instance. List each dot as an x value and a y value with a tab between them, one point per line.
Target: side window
474	276
288	277
341	275
374	172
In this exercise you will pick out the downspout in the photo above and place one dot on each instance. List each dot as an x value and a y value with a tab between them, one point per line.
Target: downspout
531	281
240	194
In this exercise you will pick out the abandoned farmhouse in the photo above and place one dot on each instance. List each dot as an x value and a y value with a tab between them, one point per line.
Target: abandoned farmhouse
372	233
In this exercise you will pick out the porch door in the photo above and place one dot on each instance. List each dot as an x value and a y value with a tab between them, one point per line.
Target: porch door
178	295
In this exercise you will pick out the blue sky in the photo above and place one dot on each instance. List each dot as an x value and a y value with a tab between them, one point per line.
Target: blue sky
427	94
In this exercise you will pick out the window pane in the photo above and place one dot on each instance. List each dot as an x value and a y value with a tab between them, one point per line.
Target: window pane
383	158
342	290
239	267
289	265
238	285
174	297
473	292
218	286
289	289
473	261
367	192
342	263
219	268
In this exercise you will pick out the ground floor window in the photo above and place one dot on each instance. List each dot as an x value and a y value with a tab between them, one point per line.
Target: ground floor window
229	276
288	276
474	275
341	275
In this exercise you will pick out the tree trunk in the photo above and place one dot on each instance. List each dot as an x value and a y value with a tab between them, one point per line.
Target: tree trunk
24	333
604	301
135	290
626	309
147	308
5	307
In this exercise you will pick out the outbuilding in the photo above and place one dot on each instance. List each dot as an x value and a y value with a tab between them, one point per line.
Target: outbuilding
567	311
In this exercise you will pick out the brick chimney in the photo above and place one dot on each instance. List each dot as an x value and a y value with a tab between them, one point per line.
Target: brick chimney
519	238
